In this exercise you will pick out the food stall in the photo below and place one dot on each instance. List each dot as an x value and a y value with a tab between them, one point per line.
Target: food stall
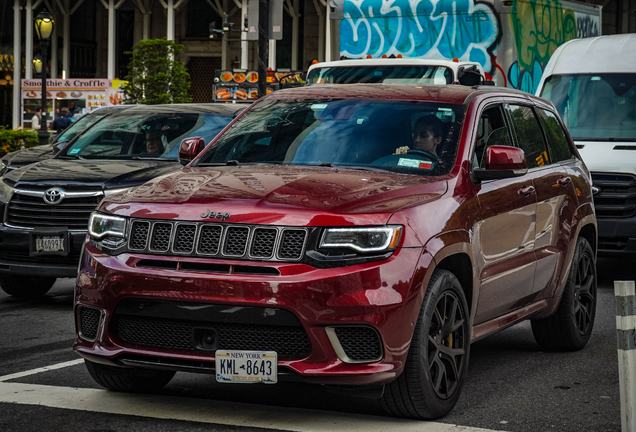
240	85
86	94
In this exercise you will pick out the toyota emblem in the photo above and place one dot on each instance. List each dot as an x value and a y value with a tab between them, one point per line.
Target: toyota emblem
53	196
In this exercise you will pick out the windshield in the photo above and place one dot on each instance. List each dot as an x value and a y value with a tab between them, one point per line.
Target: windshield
77	127
144	135
595	107
398	136
406	74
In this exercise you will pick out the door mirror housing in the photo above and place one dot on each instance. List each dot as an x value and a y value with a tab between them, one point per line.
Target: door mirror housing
502	162
190	148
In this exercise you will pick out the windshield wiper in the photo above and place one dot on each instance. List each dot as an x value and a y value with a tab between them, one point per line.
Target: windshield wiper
70	157
152	158
233	162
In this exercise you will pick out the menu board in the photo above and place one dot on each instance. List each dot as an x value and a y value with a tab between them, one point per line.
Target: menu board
240	85
86	94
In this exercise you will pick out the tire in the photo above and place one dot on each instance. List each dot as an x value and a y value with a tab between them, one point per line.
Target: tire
570	327
26	286
437	362
128	380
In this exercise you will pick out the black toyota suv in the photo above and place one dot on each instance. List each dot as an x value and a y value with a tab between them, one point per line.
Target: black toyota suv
45	206
20	158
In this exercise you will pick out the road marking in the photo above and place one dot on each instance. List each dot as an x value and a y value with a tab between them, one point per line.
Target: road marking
205	410
42	369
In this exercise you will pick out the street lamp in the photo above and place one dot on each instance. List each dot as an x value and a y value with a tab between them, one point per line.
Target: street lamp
37	64
43	28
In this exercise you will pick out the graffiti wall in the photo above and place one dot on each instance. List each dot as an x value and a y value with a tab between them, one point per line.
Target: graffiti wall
512	44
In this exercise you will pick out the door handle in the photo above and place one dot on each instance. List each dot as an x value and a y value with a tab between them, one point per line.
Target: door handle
526	191
564	181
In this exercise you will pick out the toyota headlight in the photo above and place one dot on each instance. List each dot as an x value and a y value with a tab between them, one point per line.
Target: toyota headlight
373	239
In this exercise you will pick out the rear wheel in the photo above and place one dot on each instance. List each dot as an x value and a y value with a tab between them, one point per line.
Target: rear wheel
437	363
570	327
128	380
26	286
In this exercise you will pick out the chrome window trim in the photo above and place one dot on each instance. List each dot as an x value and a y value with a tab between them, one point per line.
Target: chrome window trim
302	251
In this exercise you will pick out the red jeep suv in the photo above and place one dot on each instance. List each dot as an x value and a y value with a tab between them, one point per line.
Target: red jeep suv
360	235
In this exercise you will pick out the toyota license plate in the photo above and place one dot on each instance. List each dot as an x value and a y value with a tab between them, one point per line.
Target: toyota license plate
49	243
246	366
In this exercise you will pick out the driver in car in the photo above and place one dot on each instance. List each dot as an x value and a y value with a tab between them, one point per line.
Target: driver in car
427	135
154	143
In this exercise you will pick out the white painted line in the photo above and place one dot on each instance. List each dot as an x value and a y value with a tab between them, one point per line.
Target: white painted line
624	288
204	410
212	411
42	369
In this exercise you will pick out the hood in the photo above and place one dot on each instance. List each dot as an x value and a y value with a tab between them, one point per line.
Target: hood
283	195
604	156
28	156
109	174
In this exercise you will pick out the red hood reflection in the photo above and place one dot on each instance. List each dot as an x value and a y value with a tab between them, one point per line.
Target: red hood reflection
290	195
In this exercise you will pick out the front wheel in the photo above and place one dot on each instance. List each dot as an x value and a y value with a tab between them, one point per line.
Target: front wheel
570	327
128	380
26	286
437	362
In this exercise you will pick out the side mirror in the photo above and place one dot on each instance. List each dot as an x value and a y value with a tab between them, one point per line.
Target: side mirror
502	162
190	148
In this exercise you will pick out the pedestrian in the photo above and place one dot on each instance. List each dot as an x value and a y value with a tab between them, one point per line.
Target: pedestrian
72	110
36	119
62	122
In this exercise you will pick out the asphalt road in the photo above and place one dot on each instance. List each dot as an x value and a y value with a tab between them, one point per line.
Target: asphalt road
511	385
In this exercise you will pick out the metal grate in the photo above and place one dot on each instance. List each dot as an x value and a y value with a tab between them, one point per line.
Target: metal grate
202	71
359	343
139	235
160	237
32	212
616	197
184	238
263	243
212	240
89	322
291	246
178	334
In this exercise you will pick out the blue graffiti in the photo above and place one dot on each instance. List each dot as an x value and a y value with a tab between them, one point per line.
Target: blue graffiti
465	29
525	80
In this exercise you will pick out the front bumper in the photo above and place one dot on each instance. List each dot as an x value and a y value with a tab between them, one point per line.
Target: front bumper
15	257
382	296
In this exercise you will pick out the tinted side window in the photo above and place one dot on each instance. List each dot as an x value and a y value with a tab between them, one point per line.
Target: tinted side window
491	130
558	144
528	134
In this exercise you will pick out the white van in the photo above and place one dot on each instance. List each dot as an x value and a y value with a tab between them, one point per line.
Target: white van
390	70
592	83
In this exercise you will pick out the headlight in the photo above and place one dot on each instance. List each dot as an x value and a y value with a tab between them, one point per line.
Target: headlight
100	225
5	192
3	167
362	239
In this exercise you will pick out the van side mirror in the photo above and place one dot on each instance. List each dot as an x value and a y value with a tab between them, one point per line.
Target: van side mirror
502	162
189	149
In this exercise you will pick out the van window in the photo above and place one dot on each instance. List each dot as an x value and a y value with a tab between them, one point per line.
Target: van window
595	107
558	144
529	136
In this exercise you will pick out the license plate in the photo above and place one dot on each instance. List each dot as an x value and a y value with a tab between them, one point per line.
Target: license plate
52	243
246	366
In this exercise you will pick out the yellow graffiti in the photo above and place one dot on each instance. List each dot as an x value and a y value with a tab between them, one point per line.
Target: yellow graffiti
540	26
